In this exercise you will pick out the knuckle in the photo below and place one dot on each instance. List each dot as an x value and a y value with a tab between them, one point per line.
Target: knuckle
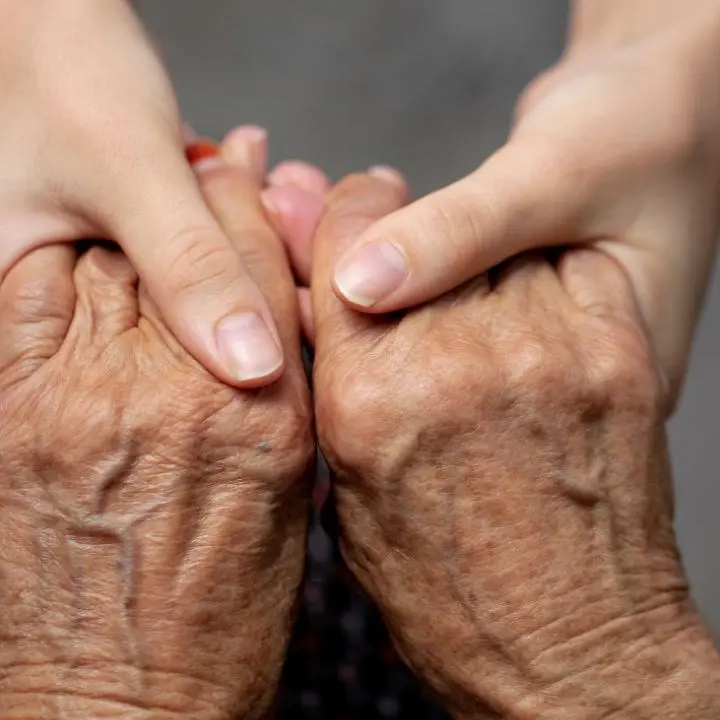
529	364
281	436
540	369
258	247
266	439
360	199
293	431
39	300
350	399
352	415
371	420
622	375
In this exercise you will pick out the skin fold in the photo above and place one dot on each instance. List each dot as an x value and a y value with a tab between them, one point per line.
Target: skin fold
153	525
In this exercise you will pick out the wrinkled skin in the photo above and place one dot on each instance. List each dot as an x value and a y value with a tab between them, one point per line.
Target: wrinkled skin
153	520
502	482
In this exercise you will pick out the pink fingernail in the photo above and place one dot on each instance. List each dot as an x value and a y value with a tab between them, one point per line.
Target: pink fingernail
291	201
371	273
208	164
247	146
387	173
248	347
270	203
301	175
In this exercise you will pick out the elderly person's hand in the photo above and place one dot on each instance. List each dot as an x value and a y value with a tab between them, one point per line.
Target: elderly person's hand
153	519
503	488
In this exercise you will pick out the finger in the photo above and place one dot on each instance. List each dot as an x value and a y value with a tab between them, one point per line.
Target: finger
519	200
107	304
232	192
600	287
295	214
247	146
193	272
37	303
531	281
597	284
300	175
352	207
294	201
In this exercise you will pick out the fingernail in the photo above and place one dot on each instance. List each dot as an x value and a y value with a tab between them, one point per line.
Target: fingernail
247	146
208	164
201	151
371	273
387	173
248	347
299	174
272	207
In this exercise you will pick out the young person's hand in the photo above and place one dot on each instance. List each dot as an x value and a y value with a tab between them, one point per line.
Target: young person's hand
617	147
92	146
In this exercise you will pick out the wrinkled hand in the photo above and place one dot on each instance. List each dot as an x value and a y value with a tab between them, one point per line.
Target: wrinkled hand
616	147
152	523
502	484
92	147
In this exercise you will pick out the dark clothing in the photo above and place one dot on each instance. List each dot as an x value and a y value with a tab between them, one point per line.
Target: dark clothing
341	664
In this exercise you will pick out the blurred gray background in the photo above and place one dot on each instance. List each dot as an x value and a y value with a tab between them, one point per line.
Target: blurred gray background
427	86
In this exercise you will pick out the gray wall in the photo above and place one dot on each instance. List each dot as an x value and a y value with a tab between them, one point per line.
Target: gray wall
426	85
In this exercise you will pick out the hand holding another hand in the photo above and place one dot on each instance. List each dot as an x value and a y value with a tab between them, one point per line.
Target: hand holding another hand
501	480
503	486
615	148
153	519
92	147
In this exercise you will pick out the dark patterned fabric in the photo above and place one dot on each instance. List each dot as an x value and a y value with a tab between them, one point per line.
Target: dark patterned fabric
341	664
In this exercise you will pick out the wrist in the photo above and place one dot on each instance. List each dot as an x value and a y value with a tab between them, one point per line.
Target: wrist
121	691
676	680
669	47
620	22
629	669
673	672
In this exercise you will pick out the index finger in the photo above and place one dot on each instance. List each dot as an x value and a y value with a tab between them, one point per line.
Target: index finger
232	190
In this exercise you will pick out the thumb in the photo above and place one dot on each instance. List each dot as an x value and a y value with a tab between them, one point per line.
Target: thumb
193	272
520	199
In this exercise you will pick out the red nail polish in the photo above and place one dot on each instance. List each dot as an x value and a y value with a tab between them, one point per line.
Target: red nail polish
201	150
